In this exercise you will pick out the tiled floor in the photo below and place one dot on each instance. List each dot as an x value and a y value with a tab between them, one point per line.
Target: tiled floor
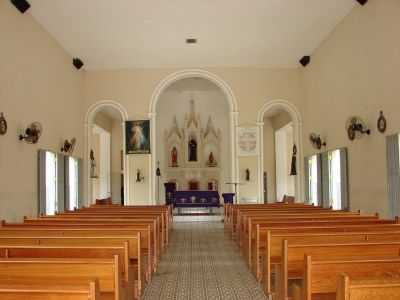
202	263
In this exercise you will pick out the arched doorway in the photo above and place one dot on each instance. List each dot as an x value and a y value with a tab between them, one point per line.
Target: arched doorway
118	170
232	118
293	128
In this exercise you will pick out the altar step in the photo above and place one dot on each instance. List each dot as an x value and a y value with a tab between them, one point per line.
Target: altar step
197	214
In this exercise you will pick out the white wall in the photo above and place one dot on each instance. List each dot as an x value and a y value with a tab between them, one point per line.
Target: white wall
37	83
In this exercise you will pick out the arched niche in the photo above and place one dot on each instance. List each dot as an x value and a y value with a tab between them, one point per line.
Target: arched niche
233	116
297	137
89	121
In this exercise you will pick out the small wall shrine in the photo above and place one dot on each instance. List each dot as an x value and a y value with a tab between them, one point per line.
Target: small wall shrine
193	153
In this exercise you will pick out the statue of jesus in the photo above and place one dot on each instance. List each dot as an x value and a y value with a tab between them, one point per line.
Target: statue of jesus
174	157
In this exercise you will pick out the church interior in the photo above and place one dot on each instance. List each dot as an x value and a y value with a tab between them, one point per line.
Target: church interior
199	150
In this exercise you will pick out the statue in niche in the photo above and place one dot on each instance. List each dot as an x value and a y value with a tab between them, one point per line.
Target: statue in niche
192	150
247	174
92	165
211	160
174	157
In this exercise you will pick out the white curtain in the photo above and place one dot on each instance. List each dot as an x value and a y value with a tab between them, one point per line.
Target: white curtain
344	179
393	173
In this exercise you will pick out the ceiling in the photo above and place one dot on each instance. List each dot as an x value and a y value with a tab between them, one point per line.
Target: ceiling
115	34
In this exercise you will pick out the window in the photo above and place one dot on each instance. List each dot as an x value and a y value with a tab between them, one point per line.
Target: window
313	180
51	182
73	192
335	187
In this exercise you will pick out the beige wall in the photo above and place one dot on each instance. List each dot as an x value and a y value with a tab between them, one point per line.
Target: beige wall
37	83
356	72
252	87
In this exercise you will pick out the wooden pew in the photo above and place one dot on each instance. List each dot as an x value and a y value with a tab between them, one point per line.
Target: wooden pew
273	248
109	218
70	271
161	217
320	278
248	231
292	262
89	234
246	246
23	289
149	238
375	288
131	270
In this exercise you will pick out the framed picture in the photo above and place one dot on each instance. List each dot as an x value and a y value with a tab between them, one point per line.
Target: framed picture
247	139
137	134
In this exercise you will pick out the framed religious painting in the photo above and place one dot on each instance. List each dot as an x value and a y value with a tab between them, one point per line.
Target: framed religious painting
137	135
247	139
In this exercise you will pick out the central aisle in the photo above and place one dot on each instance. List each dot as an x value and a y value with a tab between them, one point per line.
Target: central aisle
202	263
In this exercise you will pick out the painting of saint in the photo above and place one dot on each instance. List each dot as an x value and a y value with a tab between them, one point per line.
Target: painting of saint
137	137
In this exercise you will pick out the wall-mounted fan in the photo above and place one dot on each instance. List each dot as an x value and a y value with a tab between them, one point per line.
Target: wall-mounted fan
356	128
316	141
32	133
69	146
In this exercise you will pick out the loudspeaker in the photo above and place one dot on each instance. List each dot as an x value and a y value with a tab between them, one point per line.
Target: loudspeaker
77	63
362	2
21	5
305	60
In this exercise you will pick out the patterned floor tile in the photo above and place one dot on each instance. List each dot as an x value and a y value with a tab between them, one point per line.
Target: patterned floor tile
202	263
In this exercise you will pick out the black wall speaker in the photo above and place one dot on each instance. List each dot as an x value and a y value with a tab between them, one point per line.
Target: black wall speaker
362	2
77	63
21	5
305	60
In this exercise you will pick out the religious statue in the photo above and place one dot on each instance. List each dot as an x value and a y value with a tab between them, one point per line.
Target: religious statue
247	174
92	165
174	157
192	150
211	160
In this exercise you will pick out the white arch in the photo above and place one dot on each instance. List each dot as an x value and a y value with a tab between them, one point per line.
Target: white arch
89	118
295	115
170	79
233	115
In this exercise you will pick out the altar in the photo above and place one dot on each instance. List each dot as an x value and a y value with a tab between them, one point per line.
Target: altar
195	199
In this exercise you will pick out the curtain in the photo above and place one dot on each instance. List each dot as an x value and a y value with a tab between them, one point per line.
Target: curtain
319	179
325	202
67	183
81	201
393	172
307	179
42	182
61	184
344	182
